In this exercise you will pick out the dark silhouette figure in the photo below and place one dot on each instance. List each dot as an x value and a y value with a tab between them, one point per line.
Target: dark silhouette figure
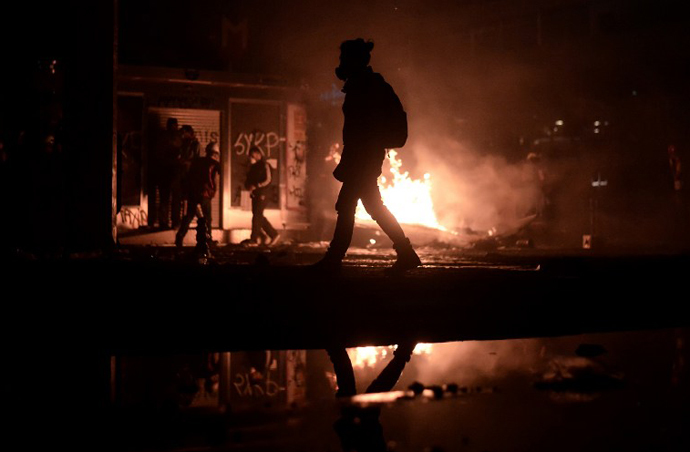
370	104
166	172
385	381
358	428
202	184
257	182
190	148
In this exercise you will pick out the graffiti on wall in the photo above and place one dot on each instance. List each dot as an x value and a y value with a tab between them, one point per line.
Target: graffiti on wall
133	217
254	385
267	142
296	157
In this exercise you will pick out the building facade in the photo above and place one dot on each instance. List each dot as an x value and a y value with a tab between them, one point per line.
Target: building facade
238	112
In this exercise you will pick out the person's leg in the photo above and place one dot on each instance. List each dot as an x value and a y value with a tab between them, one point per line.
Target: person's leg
391	373
344	373
164	208
345	224
153	188
266	225
184	224
176	201
371	199
407	258
206	211
257	235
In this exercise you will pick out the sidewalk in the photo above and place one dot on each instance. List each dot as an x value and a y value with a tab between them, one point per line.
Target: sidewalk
151	298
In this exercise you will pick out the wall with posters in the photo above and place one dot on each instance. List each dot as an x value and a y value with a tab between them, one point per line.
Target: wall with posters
296	158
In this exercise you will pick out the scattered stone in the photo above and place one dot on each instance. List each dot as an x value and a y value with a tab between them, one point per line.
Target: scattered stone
438	391
417	388
452	388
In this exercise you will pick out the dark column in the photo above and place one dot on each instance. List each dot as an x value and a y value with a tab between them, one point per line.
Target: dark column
90	115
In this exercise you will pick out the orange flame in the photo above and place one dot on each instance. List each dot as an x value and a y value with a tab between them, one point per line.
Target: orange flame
409	200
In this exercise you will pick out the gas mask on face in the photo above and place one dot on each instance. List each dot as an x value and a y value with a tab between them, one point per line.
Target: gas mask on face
341	73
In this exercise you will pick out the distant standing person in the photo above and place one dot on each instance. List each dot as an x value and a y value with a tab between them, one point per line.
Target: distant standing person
257	182
202	184
169	148
374	121
191	147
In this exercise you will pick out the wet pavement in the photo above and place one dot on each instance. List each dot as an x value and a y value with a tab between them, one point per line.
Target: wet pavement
604	392
560	350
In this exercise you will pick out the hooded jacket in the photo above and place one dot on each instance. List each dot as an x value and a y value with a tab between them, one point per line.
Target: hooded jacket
368	99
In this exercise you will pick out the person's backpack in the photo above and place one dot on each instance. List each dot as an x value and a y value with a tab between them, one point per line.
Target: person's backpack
394	123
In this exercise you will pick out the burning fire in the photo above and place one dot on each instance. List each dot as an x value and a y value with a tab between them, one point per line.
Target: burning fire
409	200
362	357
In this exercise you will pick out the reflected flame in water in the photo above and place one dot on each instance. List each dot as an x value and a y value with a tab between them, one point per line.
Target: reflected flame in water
362	357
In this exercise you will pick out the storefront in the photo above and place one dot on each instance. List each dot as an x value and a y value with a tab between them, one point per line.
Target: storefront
238	112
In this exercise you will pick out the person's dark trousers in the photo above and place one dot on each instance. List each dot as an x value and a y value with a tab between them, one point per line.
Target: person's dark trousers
390	375
385	381
153	204
176	200
260	223
164	189
344	372
192	204
346	206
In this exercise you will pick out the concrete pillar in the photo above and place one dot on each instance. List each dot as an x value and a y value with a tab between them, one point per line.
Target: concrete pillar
90	123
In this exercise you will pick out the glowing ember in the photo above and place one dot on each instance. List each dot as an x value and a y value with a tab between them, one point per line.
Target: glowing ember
409	200
362	357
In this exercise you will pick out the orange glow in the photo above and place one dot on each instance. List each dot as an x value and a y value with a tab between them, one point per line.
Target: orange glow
409	200
362	357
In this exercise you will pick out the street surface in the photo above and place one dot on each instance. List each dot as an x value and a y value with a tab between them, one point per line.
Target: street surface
522	315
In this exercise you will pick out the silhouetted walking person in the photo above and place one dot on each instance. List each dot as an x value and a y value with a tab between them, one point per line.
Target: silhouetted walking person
374	121
359	429
258	181
202	183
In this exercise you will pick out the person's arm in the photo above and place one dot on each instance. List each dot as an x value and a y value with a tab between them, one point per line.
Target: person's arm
267	180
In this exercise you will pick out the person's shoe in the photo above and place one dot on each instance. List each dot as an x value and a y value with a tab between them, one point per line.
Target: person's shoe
273	240
407	259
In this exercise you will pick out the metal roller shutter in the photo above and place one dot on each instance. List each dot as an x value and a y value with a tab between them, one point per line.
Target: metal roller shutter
206	125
